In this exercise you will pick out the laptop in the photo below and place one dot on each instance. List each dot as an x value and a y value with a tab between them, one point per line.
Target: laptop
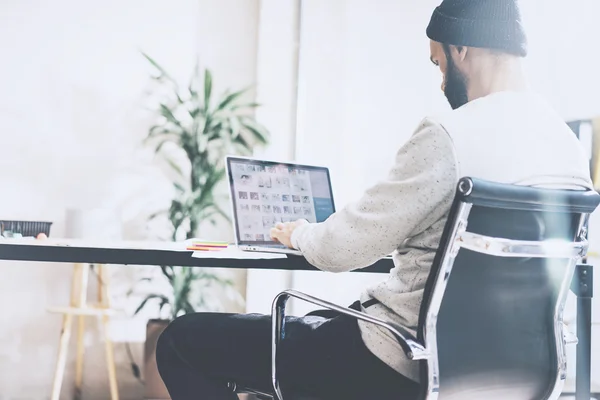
265	193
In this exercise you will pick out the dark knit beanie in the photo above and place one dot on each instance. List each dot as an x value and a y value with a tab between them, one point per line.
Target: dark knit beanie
491	24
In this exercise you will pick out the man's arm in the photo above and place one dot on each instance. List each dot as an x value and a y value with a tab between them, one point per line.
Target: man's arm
417	193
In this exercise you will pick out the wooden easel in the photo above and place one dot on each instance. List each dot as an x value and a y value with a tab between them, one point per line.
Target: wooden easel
81	309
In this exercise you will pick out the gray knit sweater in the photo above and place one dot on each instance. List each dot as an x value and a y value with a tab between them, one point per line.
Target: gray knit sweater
506	137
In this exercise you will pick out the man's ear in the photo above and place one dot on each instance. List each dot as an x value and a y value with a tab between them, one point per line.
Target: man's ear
462	52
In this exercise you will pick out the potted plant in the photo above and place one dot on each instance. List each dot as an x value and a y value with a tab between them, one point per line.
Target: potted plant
203	129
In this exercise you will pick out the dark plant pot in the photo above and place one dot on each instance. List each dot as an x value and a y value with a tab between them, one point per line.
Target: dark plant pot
154	387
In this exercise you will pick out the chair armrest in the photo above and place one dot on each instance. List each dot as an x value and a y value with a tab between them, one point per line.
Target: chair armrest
409	344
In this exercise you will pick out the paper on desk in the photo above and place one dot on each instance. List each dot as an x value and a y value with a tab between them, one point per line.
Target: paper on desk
233	253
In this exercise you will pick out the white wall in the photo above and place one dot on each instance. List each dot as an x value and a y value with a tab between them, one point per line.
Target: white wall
563	54
72	97
366	81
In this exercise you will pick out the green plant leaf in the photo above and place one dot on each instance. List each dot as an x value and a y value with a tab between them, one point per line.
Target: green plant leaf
167	271
195	113
162	304
175	167
182	286
165	134
245	105
160	69
259	133
192	87
154	129
164	76
230	98
202	143
156	214
161	144
204	199
207	88
179	187
148	298
235	126
168	114
187	307
242	142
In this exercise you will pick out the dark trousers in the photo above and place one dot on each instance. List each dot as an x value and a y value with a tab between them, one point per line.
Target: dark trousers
322	355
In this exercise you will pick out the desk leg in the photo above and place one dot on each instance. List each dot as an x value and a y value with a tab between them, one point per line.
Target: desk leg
82	301
65	335
110	359
583	288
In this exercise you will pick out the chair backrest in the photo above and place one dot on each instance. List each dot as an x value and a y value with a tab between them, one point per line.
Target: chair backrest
493	303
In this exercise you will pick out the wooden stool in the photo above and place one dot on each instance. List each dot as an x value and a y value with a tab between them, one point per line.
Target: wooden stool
81	309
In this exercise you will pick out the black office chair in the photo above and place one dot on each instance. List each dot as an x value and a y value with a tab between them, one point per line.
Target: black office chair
491	320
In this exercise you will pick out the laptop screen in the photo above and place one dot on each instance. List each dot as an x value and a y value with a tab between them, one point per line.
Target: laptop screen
264	193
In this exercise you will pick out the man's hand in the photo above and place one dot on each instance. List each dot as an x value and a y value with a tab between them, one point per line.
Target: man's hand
282	233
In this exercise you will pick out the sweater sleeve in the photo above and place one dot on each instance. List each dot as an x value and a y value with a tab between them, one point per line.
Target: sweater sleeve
405	204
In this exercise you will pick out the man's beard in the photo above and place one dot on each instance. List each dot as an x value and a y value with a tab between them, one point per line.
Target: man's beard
455	88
